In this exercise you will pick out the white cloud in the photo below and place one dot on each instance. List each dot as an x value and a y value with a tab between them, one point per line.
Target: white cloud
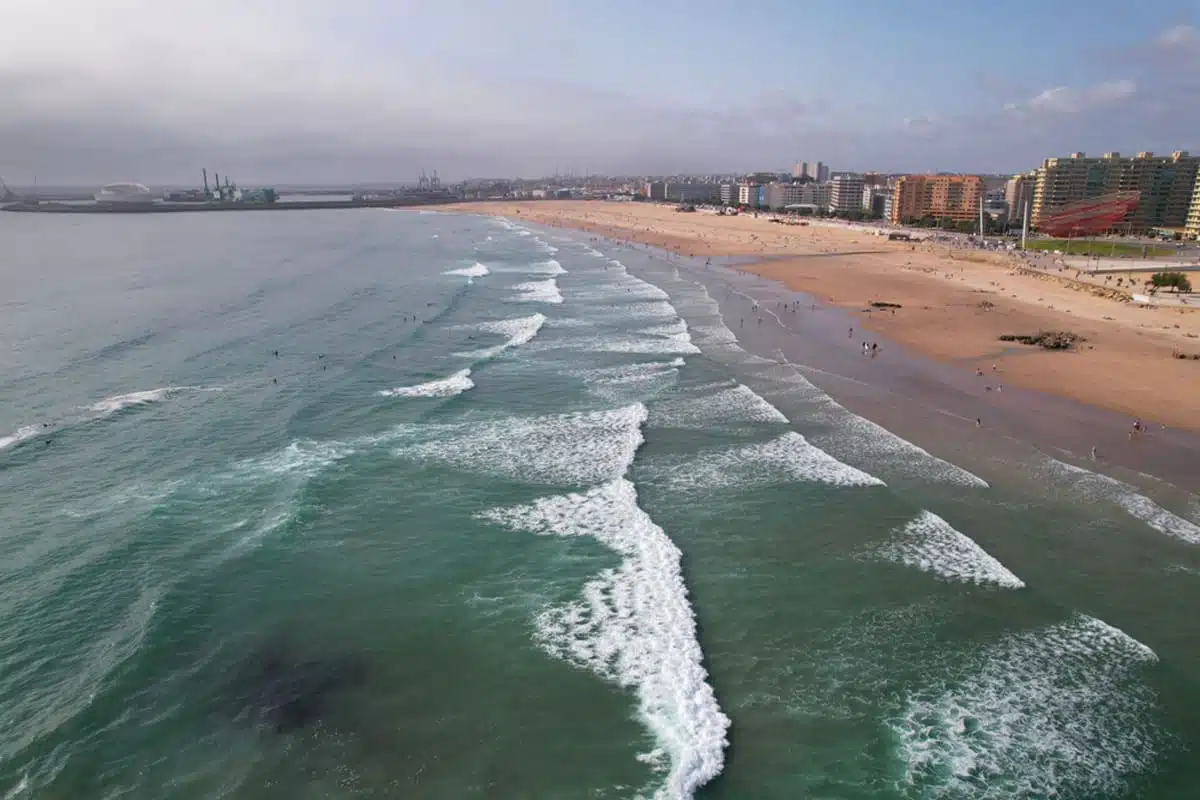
1181	36
1069	100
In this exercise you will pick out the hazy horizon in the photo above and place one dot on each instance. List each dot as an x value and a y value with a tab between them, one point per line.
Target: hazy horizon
321	93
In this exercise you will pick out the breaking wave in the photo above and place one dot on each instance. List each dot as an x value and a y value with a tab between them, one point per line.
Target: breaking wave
457	383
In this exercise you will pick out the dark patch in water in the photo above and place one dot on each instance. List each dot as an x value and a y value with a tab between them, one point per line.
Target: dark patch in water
284	690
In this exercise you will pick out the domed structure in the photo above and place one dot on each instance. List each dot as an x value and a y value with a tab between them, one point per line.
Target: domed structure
124	193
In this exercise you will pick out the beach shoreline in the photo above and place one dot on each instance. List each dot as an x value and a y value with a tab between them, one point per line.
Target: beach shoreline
816	339
952	305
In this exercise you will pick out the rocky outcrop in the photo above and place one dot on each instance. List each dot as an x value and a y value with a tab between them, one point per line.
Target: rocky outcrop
1049	340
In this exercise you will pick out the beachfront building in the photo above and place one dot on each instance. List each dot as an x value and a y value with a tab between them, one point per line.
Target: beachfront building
1018	193
692	192
656	190
748	194
875	198
782	195
729	194
846	194
954	197
1192	226
1165	184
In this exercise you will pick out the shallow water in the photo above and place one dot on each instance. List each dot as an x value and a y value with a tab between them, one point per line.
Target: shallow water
427	505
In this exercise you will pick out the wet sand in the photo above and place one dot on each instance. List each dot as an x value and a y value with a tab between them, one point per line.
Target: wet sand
932	403
955	304
927	401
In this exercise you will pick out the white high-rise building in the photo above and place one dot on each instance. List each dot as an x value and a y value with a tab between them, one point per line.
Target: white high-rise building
846	194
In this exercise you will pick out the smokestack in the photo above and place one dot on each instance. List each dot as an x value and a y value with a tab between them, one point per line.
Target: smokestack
205	171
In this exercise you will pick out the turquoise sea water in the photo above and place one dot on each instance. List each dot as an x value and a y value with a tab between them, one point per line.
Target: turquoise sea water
390	504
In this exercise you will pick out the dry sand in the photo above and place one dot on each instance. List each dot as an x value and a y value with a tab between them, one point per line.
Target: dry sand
1127	363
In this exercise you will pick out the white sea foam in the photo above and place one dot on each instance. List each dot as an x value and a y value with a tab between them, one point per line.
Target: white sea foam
862	439
673	329
727	405
538	292
653	310
1094	486
867	440
519	331
305	458
476	270
640	344
548	267
120	402
24	433
784	459
634	627
581	448
931	545
1053	712
457	383
631	382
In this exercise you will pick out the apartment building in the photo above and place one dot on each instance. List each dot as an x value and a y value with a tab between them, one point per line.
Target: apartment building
941	196
1018	193
692	192
747	194
1166	184
782	195
655	190
846	194
1192	224
875	197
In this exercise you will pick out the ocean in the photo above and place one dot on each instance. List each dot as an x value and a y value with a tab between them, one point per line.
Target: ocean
427	505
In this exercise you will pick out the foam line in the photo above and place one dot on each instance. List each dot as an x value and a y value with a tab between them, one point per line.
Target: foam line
730	405
1052	712
635	627
875	443
631	382
120	402
457	383
560	449
477	270
784	459
519	331
930	544
22	434
545	291
1094	486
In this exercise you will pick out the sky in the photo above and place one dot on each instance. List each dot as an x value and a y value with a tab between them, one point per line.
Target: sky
335	91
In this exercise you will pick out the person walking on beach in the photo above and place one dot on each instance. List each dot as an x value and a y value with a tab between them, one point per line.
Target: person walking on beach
851	334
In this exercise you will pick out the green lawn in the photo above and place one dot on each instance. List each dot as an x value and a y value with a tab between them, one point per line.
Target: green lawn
1087	247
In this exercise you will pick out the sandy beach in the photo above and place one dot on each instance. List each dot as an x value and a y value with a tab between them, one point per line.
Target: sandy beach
954	303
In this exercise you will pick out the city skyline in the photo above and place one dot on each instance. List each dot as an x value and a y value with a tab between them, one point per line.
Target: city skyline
322	92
